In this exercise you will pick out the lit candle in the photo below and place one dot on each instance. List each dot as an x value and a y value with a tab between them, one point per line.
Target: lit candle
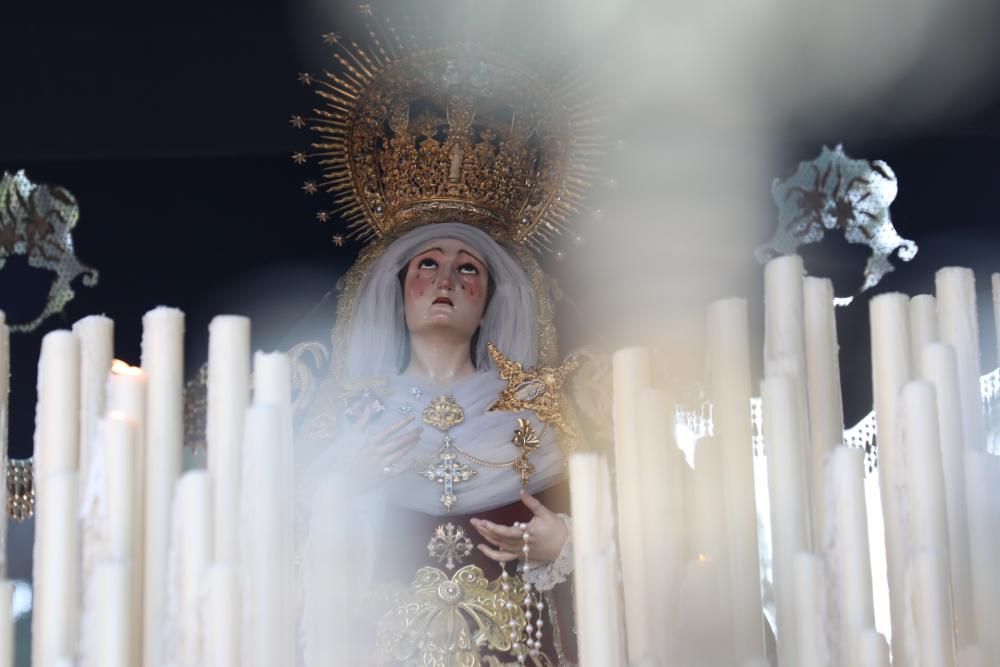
851	563
126	396
163	364
192	532
703	624
982	479
6	624
56	559
826	413
267	561
665	551
631	370
932	610
222	644
96	334
705	492
939	366
811	605
789	509
228	397
890	340
730	389
599	611
118	436
958	324
923	324
114	632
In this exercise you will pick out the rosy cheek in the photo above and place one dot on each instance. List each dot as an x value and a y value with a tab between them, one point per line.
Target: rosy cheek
416	287
474	289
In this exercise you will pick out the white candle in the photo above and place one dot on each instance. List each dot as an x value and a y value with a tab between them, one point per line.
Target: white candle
118	443
971	656
958	324
932	610
826	413
923	324
267	563
115	631
810	603
228	397
873	650
599	611
890	336
126	396
939	366
631	370
223	612
6	624
982	479
784	340
192	532
849	557
702	624
4	420
96	334
56	558
163	364
665	554
995	280
789	509
57	436
730	388
924	481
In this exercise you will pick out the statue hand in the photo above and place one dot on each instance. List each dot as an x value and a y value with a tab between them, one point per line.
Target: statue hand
381	453
547	534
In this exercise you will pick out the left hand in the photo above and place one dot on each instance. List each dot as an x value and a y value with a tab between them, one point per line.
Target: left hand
547	533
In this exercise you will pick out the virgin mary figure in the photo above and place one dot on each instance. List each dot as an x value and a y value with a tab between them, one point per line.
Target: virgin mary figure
431	448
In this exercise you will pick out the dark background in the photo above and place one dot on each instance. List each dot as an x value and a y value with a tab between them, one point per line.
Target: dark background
170	126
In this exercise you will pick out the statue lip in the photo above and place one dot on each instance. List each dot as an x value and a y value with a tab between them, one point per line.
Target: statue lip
443	299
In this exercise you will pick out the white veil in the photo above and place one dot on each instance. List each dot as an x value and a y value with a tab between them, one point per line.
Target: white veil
377	343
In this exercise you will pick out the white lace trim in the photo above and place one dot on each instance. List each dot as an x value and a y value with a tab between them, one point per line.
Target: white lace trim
545	576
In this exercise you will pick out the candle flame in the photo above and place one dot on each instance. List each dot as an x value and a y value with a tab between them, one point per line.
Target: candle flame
704	558
120	367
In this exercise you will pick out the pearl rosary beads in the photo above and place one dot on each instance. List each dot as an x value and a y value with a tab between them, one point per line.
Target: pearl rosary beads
532	630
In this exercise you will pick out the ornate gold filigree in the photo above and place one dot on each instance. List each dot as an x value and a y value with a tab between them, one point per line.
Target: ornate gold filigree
20	489
447	621
538	389
527	441
444	413
36	222
409	133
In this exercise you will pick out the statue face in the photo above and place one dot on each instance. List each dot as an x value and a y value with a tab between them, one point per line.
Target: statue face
445	289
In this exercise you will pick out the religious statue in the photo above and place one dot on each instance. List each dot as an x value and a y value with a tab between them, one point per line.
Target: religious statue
437	417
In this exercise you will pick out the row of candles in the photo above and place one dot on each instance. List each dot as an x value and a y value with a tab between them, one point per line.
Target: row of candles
135	561
139	564
687	539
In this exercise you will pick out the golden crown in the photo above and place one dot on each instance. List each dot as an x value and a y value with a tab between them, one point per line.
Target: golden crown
410	135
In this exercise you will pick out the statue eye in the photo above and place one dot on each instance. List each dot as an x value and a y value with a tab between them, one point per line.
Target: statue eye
427	263
469	269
